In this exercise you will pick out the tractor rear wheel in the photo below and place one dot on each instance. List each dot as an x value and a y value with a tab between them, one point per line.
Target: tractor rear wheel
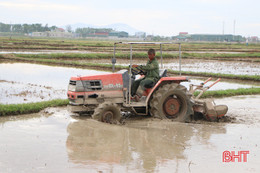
107	112
171	101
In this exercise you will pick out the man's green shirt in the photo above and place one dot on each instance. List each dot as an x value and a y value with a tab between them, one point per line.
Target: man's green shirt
152	69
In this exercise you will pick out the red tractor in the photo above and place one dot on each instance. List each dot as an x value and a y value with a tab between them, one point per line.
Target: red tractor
106	96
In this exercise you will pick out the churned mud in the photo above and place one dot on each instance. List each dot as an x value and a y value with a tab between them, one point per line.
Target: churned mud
243	109
53	140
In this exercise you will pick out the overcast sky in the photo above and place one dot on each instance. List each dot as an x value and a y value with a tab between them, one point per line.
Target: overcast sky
158	17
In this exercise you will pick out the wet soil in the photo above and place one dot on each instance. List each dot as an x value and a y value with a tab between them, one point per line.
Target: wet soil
53	140
12	92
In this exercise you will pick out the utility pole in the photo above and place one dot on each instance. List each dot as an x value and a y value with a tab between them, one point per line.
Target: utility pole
11	30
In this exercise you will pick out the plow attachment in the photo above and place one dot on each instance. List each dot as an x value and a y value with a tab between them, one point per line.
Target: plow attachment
206	107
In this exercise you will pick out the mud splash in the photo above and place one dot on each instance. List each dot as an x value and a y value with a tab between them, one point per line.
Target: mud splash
53	140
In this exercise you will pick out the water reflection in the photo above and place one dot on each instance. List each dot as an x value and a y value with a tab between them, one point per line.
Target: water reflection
53	76
142	145
14	118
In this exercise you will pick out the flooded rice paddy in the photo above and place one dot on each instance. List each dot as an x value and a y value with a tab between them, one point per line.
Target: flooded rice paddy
199	65
24	82
17	92
55	141
225	67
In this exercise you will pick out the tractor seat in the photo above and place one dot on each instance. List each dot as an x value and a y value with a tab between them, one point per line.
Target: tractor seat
163	73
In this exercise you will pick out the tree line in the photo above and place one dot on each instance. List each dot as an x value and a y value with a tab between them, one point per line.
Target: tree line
25	28
84	32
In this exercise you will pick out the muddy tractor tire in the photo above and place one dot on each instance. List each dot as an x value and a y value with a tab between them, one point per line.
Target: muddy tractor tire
108	113
171	101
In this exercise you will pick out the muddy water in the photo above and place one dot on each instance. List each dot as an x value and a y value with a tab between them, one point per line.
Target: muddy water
23	82
54	141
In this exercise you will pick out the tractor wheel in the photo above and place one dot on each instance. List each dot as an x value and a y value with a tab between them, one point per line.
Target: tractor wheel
171	101
108	113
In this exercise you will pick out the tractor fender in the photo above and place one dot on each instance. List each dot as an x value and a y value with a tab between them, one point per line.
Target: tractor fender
163	80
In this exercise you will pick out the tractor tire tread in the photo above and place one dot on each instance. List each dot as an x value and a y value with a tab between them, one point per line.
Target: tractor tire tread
156	101
97	115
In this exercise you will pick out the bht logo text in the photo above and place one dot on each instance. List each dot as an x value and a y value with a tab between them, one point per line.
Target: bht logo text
231	156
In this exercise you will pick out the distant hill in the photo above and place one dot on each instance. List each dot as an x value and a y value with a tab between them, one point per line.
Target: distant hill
123	27
115	26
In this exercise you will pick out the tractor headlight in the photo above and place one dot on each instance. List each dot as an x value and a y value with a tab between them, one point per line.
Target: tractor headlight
72	88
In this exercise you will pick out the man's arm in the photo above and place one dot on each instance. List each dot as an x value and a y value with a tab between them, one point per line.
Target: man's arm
151	66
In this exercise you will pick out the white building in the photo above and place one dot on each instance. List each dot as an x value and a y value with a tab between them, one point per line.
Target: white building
59	32
140	34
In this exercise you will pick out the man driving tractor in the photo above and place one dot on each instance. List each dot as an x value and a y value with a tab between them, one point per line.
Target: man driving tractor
151	76
106	96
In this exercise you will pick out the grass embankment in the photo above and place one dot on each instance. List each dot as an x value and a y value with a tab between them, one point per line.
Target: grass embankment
218	75
230	92
26	108
74	63
73	56
119	67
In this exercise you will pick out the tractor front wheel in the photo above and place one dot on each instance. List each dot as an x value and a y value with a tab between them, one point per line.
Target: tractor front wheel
108	113
171	101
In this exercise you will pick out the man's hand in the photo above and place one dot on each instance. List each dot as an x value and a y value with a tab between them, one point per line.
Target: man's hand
134	66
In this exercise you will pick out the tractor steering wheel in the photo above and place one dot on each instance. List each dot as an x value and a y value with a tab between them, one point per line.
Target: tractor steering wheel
138	70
